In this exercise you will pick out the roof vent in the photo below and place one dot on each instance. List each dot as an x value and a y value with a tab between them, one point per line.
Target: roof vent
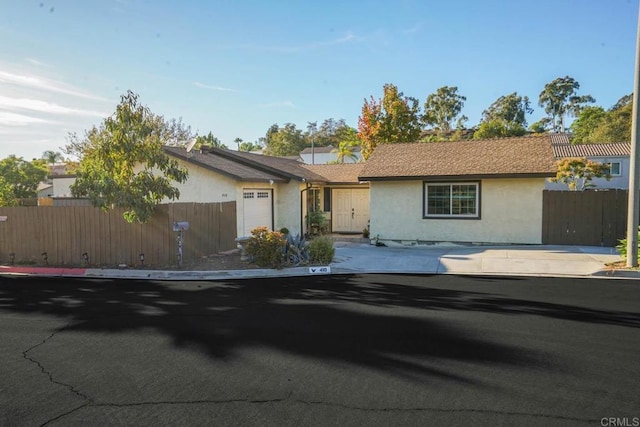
205	149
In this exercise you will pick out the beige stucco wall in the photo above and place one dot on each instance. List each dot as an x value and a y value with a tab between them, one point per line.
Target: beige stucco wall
62	186
287	206
511	212
205	186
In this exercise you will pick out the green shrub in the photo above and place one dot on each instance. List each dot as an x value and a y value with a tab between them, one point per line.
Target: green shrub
321	250
622	246
266	247
284	230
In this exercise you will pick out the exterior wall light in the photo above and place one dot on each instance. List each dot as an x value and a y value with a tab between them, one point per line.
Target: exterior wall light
142	258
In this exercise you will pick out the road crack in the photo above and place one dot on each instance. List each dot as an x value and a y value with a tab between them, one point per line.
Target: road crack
45	371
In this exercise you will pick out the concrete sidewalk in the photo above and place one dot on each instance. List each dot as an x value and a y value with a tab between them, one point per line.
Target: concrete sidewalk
355	258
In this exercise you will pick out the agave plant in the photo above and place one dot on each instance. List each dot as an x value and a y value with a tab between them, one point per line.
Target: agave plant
296	250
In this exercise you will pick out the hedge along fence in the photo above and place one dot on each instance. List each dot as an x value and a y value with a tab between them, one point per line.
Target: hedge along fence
65	233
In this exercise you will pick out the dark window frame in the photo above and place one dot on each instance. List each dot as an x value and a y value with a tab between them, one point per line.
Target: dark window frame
450	184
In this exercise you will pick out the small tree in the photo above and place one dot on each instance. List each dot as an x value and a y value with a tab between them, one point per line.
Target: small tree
122	163
578	173
7	198
23	176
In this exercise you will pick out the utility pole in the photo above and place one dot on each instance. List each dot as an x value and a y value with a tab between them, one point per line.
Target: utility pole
633	210
312	129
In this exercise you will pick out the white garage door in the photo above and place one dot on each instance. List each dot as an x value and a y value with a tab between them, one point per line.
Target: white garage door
257	208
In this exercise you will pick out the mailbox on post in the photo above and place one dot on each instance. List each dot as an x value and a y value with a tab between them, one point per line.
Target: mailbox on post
180	226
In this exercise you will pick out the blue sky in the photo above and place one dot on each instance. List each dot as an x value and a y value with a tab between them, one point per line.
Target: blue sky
236	67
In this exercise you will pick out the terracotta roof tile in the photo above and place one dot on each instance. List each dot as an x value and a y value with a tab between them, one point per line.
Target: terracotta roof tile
560	138
618	149
530	155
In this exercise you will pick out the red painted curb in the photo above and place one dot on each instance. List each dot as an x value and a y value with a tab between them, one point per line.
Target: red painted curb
47	271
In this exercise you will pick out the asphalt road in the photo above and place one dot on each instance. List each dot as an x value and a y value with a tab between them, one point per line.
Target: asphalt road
331	350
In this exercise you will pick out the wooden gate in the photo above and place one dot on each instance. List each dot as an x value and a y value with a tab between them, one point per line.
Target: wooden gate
592	218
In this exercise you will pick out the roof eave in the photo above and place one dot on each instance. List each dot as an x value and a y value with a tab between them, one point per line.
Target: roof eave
457	177
256	165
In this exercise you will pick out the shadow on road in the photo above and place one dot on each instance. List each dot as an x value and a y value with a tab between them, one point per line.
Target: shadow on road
370	321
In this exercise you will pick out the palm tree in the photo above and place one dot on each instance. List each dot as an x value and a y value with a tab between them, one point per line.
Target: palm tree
345	150
52	157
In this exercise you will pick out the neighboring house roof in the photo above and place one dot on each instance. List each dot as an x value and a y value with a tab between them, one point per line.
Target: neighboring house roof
500	157
44	186
324	150
58	169
346	173
616	149
560	138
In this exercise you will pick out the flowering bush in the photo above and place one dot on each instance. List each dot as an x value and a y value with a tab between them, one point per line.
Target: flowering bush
266	247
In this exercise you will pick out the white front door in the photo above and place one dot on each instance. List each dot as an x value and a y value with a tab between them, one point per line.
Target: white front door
350	209
257	209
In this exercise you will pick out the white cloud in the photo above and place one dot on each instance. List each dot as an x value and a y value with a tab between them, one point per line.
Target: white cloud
8	118
37	63
36	82
44	107
211	87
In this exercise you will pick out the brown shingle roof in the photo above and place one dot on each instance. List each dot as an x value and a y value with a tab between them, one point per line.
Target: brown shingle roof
346	173
289	168
618	149
224	166
245	166
520	156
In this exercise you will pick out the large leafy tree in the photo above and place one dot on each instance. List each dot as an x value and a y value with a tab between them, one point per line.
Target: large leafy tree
249	146
209	140
394	118
578	173
506	116
616	126
586	124
594	124
22	176
122	162
560	98
284	141
443	109
329	133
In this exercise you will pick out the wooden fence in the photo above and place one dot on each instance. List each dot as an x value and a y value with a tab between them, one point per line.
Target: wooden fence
594	218
65	233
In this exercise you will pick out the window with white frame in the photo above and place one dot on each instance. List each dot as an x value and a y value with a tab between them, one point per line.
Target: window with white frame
615	169
452	200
